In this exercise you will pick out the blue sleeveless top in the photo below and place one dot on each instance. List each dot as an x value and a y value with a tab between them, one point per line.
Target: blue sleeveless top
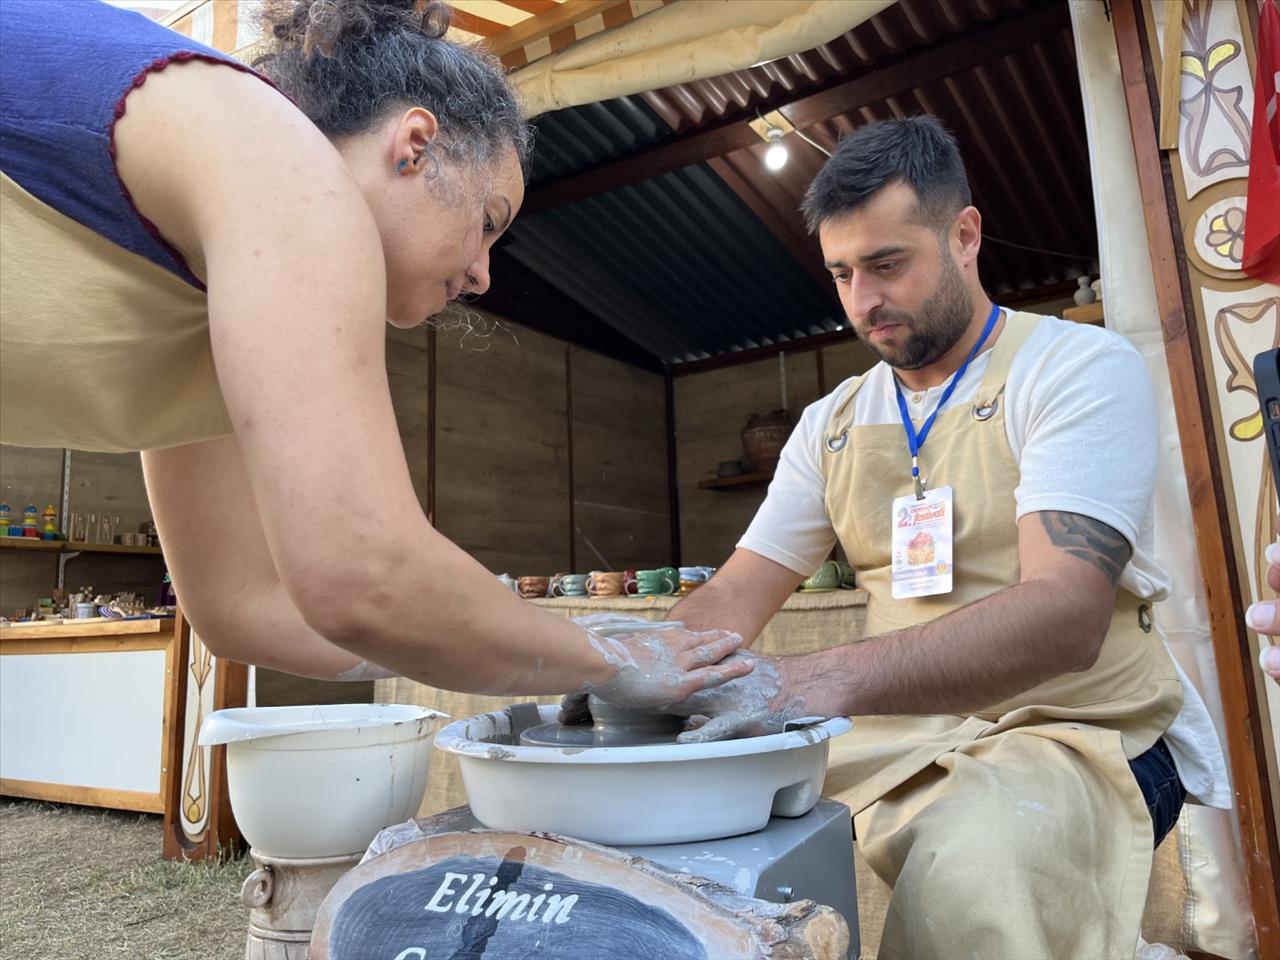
66	67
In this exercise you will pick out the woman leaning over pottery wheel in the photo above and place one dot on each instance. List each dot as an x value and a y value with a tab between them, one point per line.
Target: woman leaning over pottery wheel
198	261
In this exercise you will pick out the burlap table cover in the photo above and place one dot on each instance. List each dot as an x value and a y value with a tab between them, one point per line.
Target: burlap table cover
807	622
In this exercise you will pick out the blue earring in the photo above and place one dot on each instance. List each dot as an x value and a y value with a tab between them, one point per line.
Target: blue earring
404	162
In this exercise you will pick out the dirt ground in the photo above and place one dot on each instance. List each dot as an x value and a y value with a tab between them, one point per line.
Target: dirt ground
76	882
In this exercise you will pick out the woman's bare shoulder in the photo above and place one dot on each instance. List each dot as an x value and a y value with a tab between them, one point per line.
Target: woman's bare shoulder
197	132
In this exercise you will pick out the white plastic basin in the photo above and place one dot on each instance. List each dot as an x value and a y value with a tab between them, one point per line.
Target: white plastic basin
321	781
673	793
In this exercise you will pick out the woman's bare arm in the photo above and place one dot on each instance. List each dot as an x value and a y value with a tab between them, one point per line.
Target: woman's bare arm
236	177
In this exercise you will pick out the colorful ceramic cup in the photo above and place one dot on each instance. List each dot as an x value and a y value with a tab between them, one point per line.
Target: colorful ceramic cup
652	583
826	577
604	583
531	587
570	585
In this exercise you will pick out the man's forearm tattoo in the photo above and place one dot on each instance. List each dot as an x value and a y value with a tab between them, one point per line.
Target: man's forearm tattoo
1089	539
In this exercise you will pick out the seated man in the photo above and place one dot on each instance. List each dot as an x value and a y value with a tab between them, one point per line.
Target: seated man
1021	740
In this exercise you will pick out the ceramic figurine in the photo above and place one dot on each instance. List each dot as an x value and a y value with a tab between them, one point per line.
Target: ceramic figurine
49	529
29	522
6	517
1084	294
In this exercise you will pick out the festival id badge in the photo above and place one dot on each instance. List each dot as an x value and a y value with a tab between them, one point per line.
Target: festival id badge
922	539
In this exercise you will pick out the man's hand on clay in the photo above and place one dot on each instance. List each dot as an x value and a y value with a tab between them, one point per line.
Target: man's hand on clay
1264	616
779	690
655	667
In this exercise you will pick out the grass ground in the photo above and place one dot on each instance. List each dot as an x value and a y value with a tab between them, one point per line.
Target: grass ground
82	883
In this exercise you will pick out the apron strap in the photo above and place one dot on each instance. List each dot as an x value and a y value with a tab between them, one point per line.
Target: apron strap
1017	328
841	420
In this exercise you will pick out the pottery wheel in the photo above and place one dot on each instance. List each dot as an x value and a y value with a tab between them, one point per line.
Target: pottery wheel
610	727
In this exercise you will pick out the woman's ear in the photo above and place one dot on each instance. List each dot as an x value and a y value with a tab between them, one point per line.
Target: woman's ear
412	139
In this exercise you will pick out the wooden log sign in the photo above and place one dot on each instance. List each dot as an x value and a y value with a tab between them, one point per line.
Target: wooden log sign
502	896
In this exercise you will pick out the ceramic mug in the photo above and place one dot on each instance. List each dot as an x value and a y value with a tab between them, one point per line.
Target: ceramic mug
848	578
511	583
629	585
826	577
604	583
570	585
531	587
695	574
659	582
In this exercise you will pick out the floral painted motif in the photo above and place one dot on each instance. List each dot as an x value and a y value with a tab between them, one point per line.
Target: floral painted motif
1231	326
1226	234
1216	134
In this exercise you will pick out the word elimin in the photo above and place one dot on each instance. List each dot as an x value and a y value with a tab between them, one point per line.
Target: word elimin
503	903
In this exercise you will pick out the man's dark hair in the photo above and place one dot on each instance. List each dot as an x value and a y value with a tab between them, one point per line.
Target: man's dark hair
917	151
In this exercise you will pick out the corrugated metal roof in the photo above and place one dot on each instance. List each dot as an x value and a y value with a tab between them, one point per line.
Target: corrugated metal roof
679	263
714	257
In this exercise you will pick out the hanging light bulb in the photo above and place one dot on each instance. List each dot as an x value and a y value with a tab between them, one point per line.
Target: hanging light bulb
775	158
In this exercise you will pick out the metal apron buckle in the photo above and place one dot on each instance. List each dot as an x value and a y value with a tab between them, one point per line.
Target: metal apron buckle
836	444
985	411
1144	618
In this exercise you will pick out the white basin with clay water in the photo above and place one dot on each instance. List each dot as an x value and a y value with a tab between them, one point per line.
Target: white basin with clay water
321	781
637	795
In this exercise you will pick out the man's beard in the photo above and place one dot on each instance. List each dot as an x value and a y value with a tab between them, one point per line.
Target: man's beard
934	329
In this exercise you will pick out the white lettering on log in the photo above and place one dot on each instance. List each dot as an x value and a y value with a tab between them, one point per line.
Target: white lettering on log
444	890
462	901
502	904
412	953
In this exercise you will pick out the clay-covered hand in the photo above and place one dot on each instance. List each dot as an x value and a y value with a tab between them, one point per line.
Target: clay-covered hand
777	691
655	665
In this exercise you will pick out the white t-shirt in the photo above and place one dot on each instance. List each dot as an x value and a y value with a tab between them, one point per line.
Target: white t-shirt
1080	417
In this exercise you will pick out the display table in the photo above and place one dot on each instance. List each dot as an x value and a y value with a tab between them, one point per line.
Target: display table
806	623
106	713
87	712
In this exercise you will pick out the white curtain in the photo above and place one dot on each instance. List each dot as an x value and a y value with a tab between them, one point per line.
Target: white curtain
1216	916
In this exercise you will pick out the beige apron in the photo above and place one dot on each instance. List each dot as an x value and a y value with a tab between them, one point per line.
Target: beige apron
103	349
1017	831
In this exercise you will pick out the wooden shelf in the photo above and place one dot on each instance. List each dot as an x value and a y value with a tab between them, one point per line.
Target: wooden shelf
743	481
64	546
27	543
1089	313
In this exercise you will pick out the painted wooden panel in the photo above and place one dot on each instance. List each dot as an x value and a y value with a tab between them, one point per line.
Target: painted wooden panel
502	473
621	505
711	409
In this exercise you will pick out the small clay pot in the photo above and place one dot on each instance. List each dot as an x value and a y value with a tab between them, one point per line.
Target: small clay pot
764	437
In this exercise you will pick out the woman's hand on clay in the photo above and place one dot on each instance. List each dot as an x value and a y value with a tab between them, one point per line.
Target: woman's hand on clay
655	668
777	691
1264	616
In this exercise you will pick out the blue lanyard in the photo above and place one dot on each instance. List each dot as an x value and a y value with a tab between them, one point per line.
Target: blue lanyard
916	440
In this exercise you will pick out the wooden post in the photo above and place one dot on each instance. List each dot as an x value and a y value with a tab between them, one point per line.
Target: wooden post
673	487
1245	716
431	426
230	685
568	417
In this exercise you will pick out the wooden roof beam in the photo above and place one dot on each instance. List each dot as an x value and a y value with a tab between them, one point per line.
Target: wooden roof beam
563	17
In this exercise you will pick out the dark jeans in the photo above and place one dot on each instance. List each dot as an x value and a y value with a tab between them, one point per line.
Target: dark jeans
1158	779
